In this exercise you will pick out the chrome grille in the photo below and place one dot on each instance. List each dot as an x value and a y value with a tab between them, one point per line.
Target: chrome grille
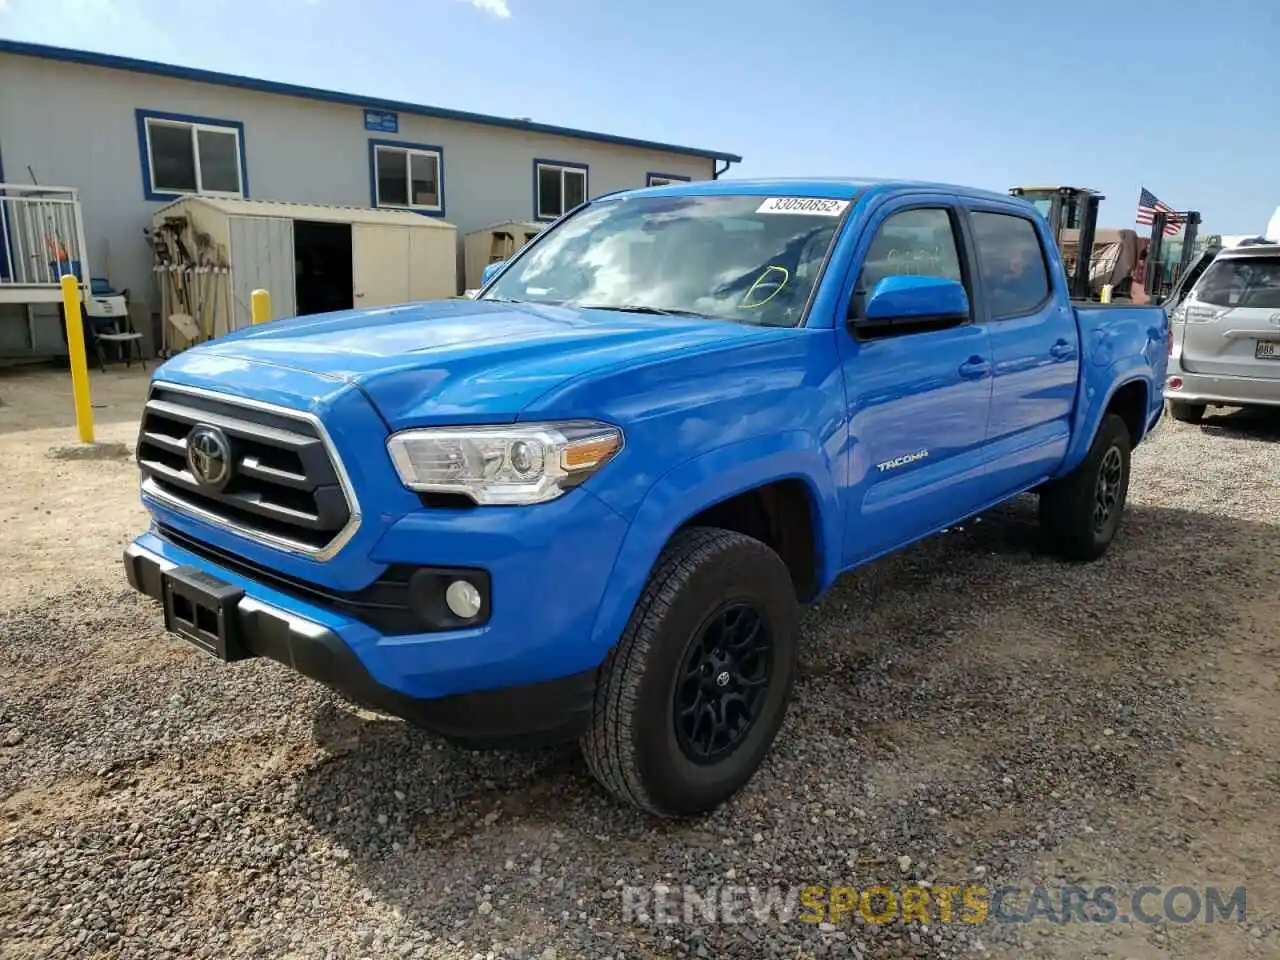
286	486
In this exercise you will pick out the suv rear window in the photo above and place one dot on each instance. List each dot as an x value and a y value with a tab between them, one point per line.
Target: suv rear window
1241	282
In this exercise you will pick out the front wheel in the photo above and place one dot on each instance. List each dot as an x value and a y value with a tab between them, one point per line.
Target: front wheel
690	700
1081	512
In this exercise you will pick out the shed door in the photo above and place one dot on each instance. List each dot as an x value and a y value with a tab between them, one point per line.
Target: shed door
433	263
261	258
380	261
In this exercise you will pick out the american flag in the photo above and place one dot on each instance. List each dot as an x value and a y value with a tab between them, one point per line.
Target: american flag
1149	205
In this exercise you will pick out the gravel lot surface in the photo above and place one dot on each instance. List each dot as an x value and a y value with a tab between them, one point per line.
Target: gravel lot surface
971	710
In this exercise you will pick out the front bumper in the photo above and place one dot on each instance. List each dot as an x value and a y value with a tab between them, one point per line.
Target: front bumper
527	676
1224	391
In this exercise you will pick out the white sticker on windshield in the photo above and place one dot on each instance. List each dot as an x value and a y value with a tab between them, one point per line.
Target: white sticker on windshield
814	206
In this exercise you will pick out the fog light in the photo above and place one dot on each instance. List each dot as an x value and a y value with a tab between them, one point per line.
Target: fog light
463	599
1175	383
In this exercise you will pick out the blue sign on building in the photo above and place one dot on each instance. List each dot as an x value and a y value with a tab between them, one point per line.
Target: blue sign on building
383	121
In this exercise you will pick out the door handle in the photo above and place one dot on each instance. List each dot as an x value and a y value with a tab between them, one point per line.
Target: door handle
975	368
1062	350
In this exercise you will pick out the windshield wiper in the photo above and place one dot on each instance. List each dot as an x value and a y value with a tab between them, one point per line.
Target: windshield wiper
638	308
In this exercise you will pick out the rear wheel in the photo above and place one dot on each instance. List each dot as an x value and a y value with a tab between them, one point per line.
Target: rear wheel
1081	512
1185	412
689	702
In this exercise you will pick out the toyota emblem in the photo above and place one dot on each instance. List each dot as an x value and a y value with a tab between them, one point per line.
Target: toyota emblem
1275	319
209	456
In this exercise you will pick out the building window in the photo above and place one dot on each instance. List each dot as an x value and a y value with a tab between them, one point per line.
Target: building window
558	187
182	155
662	179
409	176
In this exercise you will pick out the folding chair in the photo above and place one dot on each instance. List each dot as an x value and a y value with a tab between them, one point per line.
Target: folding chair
116	331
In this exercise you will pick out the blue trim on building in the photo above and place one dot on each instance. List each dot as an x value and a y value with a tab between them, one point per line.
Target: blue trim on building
568	165
132	65
373	174
144	154
680	177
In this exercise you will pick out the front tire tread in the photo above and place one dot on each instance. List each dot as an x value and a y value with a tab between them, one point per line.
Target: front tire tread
609	744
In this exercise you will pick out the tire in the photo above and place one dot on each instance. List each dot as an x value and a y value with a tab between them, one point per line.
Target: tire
1081	512
707	583
1185	412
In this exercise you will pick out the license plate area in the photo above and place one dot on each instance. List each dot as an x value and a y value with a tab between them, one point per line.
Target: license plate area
202	610
1267	350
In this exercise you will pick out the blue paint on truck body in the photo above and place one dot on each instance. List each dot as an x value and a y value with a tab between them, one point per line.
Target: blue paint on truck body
890	439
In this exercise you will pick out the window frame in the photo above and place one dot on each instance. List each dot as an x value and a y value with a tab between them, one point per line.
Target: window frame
409	149
146	118
666	178
964	257
1045	262
562	165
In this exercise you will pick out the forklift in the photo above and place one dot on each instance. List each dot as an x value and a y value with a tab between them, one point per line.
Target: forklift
1155	281
1076	208
1068	208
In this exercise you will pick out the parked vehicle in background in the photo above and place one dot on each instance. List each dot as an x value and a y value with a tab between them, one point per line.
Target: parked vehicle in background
1226	335
587	503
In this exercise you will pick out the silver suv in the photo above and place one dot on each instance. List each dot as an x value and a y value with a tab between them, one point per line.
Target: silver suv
1225	335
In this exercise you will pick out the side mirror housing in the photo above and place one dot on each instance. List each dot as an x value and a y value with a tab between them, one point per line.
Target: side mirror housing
913	300
487	274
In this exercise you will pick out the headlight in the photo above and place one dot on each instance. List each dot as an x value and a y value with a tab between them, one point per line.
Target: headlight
513	465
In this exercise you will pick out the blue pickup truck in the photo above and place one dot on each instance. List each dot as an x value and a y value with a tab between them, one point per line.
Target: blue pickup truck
586	504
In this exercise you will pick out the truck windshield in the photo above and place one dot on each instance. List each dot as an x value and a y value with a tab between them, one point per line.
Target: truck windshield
739	258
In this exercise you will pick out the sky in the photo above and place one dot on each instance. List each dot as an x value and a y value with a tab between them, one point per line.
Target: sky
1180	97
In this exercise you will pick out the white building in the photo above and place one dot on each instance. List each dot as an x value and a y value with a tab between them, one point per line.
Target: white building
130	136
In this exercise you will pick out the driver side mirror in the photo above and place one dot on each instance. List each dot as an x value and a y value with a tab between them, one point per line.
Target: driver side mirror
920	302
487	274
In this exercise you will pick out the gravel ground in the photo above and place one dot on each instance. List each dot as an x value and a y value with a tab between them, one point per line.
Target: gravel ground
970	710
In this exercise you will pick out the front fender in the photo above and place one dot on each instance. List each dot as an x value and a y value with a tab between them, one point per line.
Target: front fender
701	482
1098	385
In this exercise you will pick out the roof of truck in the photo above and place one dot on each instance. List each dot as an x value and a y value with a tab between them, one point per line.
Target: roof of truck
835	188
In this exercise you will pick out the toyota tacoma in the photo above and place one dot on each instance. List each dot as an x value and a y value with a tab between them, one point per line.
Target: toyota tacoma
587	504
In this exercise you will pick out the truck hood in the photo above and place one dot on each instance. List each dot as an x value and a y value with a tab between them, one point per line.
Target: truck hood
448	361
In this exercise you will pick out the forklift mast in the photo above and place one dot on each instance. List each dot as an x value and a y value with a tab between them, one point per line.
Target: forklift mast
1154	280
1069	208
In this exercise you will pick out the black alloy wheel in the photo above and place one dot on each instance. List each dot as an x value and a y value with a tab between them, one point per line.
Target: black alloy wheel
723	682
1106	495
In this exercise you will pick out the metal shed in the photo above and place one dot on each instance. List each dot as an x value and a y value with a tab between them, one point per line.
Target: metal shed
495	243
312	258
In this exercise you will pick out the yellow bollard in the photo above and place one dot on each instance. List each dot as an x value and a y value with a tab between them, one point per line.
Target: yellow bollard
79	368
260	306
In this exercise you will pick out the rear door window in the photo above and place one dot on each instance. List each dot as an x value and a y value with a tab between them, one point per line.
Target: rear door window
1015	275
1241	282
